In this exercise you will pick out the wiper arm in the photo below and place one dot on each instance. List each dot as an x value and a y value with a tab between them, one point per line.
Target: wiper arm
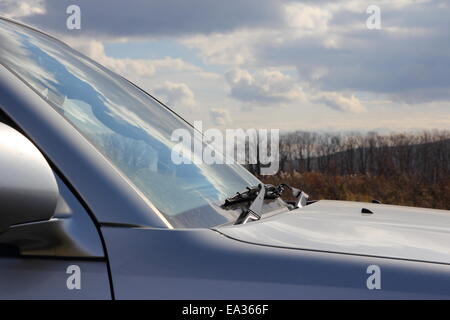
300	196
255	209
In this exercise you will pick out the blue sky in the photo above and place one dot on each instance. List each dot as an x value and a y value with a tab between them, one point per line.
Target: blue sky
290	65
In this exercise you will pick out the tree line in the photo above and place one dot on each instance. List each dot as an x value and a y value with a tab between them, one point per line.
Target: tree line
425	155
410	169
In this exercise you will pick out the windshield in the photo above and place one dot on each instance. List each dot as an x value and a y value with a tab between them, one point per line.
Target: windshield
131	129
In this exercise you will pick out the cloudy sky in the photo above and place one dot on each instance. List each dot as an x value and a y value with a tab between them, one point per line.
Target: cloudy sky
291	65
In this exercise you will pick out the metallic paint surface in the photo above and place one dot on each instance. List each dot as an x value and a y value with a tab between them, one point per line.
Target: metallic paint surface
28	189
46	279
203	264
339	226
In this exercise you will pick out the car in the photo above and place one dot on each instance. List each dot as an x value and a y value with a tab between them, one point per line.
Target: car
92	207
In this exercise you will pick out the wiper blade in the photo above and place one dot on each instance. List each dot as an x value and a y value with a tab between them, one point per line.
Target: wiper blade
271	192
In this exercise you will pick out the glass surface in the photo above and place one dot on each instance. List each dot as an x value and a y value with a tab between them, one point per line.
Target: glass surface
126	125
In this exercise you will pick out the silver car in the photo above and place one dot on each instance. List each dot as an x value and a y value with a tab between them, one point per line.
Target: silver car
92	207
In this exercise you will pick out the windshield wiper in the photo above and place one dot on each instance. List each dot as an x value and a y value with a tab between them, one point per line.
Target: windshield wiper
271	192
256	196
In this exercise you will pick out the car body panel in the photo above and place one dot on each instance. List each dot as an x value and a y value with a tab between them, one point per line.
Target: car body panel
41	278
203	264
340	226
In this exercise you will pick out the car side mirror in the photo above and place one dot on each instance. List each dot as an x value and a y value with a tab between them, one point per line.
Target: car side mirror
28	188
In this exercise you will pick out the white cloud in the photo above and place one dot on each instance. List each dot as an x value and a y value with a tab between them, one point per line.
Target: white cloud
339	102
272	87
220	117
176	94
240	47
124	67
265	86
127	67
304	17
21	8
225	49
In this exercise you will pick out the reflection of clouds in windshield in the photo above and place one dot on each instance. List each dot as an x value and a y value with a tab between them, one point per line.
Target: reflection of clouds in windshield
79	113
109	94
14	55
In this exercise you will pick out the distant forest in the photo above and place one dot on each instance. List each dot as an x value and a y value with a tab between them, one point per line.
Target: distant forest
406	169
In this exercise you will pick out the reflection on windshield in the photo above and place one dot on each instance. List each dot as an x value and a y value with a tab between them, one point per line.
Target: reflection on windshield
125	125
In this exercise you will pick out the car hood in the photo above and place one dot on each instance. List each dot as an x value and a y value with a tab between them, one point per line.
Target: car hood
341	227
